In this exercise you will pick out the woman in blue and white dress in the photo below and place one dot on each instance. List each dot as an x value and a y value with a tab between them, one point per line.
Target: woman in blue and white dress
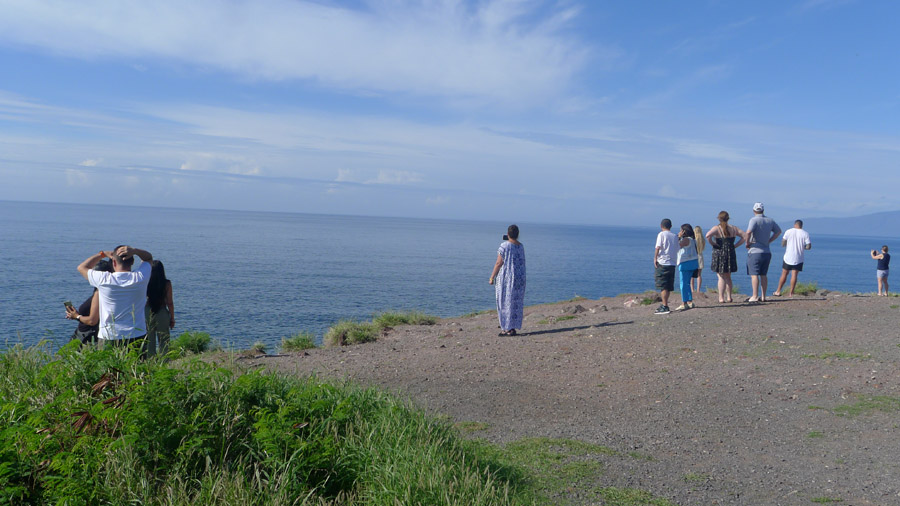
508	277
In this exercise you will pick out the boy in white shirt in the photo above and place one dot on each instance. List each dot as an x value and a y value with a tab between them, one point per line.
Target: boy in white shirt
796	242
664	263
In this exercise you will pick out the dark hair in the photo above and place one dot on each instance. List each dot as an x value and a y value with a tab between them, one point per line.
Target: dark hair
799	222
513	231
666	223
723	217
688	230
128	263
156	289
104	266
884	248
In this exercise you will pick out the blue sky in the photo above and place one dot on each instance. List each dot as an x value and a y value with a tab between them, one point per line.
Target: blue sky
519	110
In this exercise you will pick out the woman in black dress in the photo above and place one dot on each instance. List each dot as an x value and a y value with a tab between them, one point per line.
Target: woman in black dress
724	258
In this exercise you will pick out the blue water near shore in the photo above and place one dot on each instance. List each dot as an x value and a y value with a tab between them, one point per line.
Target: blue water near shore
254	276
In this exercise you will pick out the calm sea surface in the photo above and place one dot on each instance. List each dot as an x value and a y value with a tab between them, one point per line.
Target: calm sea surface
246	277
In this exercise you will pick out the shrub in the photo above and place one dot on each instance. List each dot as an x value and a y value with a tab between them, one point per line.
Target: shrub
390	319
193	342
100	426
259	347
298	342
806	288
351	332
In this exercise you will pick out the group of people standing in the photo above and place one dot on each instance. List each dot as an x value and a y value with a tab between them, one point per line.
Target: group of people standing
126	307
724	239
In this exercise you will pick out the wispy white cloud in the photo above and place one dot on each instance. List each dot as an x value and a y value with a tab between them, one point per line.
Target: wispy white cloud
709	151
497	49
223	163
91	162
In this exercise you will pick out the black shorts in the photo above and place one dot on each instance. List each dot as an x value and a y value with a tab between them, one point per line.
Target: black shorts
696	273
665	277
788	267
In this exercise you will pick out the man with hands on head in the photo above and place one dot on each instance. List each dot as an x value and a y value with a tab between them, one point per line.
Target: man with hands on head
123	294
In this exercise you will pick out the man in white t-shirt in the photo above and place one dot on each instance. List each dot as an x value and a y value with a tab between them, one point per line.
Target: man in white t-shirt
664	257
795	242
123	294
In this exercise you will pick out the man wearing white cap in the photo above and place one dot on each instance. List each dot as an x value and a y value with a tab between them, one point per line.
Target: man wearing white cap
761	232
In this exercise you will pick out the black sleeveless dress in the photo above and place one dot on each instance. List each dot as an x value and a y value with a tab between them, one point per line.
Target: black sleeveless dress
724	258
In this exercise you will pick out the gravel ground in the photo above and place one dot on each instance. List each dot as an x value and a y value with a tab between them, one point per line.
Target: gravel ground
733	403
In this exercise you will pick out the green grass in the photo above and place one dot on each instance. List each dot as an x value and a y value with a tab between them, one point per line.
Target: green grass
869	404
695	477
806	288
298	342
814	434
646	301
576	298
355	332
392	319
566	471
565	317
88	426
259	347
351	332
192	342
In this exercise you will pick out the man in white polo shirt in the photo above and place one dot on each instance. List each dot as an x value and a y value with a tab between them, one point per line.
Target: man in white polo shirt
123	294
795	242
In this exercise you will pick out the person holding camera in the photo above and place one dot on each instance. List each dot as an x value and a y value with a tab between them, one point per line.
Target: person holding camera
88	313
881	275
508	278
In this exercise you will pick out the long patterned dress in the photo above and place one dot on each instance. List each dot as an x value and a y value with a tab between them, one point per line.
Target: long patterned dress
510	286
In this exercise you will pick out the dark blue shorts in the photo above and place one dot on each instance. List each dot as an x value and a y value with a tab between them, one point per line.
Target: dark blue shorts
758	264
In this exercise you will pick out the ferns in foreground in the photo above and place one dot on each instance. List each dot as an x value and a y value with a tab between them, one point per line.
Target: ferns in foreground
100	426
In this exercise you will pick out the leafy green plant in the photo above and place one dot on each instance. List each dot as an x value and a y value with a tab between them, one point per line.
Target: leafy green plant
298	342
101	426
191	341
646	301
259	347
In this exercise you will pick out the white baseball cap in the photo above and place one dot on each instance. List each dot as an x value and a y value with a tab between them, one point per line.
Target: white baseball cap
758	207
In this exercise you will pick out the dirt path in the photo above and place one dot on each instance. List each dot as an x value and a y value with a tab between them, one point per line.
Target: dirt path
733	404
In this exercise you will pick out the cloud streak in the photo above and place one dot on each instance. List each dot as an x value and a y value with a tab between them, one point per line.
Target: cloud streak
496	49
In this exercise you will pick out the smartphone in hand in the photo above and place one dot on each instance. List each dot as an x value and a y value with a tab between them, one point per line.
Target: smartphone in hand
68	304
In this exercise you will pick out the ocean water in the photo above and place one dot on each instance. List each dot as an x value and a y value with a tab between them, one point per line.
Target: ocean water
254	276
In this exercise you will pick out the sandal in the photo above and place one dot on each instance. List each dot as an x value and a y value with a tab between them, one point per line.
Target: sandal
511	332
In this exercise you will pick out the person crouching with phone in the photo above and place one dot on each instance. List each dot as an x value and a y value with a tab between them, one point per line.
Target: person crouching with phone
88	313
508	278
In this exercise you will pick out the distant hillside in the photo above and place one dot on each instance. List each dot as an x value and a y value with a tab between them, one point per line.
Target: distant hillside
885	224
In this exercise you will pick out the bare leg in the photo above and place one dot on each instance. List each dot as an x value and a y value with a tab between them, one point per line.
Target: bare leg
781	281
754	287
793	282
721	287
729	286
885	286
665	297
699	281
880	284
764	286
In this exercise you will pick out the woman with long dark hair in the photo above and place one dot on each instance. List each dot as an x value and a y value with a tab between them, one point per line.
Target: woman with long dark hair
160	310
508	277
